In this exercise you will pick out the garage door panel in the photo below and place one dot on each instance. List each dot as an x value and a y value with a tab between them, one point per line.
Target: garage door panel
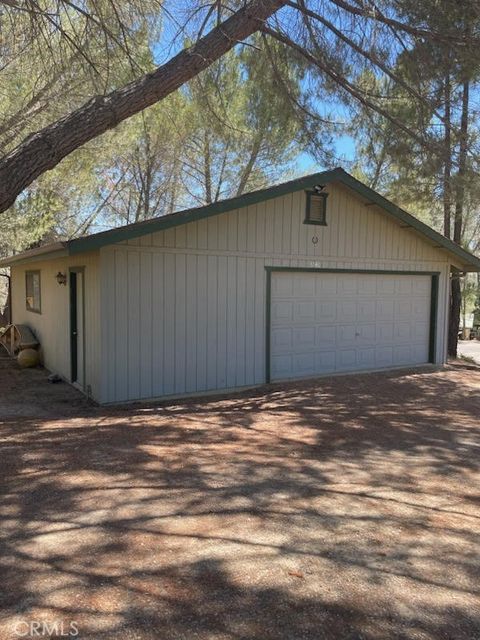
283	287
366	310
403	354
384	332
366	358
367	286
420	353
304	287
346	310
281	367
402	332
421	287
346	284
328	322
411	354
385	309
304	311
384	357
282	339
304	364
403	286
326	286
282	311
325	361
385	286
366	334
403	309
326	311
420	308
346	335
326	337
304	338
346	359
421	332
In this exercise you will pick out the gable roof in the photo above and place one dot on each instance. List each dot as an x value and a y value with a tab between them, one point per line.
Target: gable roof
469	261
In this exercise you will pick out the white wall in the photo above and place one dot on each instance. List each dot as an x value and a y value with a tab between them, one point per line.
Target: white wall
52	325
183	310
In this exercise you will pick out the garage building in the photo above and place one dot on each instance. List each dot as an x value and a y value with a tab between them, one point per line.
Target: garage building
317	276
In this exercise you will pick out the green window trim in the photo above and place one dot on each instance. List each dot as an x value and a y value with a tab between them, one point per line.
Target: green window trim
316	205
33	291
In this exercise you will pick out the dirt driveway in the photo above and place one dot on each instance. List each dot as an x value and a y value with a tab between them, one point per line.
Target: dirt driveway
342	508
470	349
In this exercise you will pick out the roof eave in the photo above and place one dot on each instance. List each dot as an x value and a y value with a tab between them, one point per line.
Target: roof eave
46	252
469	262
162	223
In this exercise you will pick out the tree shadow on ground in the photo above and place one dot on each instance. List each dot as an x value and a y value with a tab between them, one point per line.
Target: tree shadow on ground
342	508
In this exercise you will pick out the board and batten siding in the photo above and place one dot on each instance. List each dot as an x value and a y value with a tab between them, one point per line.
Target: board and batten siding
52	325
183	310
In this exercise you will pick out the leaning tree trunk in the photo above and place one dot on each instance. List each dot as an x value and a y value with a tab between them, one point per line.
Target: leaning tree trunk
456	292
45	149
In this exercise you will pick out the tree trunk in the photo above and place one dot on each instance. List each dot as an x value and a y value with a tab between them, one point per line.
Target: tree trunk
6	314
456	293
207	176
462	165
447	171
45	149
247	171
464	307
454	322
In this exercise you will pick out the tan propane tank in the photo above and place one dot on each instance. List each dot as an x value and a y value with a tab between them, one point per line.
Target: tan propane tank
28	358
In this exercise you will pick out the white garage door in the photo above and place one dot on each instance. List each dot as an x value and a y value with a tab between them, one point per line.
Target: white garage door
329	322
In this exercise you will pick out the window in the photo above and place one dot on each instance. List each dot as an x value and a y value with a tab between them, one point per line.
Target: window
32	291
316	209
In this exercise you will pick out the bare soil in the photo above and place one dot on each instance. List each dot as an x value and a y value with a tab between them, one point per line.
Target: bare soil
342	508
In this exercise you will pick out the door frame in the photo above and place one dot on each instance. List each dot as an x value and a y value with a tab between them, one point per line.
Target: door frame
73	326
269	270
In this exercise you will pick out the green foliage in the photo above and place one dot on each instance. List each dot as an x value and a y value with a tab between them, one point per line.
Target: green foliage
51	65
243	123
412	170
229	131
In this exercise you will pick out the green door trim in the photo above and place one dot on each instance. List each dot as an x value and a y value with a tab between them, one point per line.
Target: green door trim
432	341
432	344
73	284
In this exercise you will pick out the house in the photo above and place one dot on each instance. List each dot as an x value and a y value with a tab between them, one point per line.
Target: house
316	276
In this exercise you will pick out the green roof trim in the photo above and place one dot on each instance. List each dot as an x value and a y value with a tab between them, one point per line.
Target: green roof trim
138	229
409	220
96	241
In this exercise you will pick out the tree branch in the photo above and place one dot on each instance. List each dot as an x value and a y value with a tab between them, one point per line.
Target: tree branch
45	149
346	85
418	32
368	55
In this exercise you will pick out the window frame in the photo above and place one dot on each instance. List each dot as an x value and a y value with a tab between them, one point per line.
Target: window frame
33	273
323	195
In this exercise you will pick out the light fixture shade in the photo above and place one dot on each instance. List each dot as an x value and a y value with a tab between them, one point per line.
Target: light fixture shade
61	278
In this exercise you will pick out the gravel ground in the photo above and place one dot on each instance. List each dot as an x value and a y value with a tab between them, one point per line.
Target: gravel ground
335	509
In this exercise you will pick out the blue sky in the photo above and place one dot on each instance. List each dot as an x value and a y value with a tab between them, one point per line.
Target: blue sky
172	40
344	150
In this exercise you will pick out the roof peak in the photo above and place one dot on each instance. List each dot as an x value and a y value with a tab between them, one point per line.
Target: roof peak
97	240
